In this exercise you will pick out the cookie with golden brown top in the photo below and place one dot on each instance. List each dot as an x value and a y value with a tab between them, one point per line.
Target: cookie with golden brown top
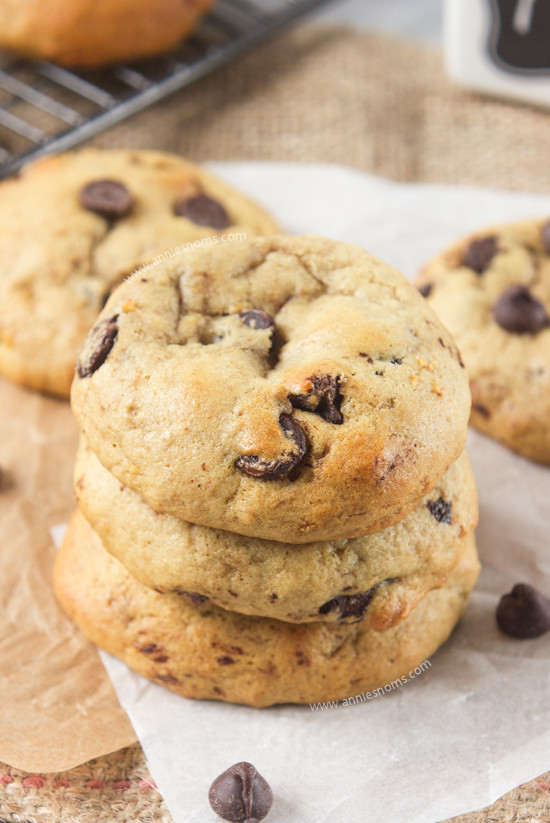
74	225
207	652
289	388
492	291
378	578
95	32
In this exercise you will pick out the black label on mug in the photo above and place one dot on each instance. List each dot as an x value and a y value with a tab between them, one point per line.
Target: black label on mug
519	39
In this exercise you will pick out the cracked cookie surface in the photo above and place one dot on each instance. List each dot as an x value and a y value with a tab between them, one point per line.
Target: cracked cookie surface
378	578
331	420
206	652
75	225
492	291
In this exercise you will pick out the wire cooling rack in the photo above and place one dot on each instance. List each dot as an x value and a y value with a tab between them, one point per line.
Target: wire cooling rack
46	108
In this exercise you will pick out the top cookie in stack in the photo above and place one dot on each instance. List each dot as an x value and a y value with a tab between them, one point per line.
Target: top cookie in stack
293	389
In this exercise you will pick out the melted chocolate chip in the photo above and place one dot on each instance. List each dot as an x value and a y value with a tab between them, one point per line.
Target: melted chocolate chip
440	510
100	340
194	597
349	605
241	794
257	319
204	211
225	660
545	235
108	198
523	613
517	311
281	466
426	289
479	253
323	397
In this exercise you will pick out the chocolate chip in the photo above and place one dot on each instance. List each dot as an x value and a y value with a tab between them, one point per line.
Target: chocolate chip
481	410
108	198
204	211
426	289
101	340
517	311
523	613
225	660
241	794
441	510
349	605
545	235
278	467
257	319
479	253
194	597
322	397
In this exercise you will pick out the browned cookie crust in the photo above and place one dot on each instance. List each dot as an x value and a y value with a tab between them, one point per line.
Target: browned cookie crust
378	578
74	225
292	389
94	32
492	290
207	652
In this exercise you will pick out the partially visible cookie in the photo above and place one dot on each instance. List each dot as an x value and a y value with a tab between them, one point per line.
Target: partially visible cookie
207	652
92	33
492	291
74	225
289	388
378	578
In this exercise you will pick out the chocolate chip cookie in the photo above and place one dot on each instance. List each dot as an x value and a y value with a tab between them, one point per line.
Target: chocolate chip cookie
492	291
202	651
74	225
378	578
293	389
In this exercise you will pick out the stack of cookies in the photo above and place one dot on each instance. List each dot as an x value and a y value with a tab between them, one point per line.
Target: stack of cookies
274	500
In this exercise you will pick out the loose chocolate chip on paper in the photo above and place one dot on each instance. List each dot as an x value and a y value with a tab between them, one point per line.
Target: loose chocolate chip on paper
322	396
204	211
517	311
523	613
100	340
441	510
349	605
277	467
108	198
257	319
479	253
241	794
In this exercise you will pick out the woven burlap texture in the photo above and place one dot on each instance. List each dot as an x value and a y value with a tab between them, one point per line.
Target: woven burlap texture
312	95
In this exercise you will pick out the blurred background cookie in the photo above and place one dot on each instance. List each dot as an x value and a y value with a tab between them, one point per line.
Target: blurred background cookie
74	225
492	291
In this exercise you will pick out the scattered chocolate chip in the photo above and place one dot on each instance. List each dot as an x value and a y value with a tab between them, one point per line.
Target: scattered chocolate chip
241	794
323	397
396	361
257	319
278	467
523	613
481	409
441	510
100	340
272	597
108	198
204	211
479	253
425	289
364	354
225	660
150	648
349	605
517	311
194	597
545	234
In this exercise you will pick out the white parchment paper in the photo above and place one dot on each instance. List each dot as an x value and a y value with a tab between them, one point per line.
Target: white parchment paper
475	724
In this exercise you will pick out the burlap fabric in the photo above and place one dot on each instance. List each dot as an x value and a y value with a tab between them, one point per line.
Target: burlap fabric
326	95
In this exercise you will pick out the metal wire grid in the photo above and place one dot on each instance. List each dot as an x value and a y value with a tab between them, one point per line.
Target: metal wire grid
46	108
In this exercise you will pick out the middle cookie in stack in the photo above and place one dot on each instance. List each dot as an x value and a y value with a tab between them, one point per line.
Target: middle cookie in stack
276	427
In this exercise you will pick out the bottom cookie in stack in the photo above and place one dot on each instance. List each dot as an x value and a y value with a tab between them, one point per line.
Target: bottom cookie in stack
204	651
